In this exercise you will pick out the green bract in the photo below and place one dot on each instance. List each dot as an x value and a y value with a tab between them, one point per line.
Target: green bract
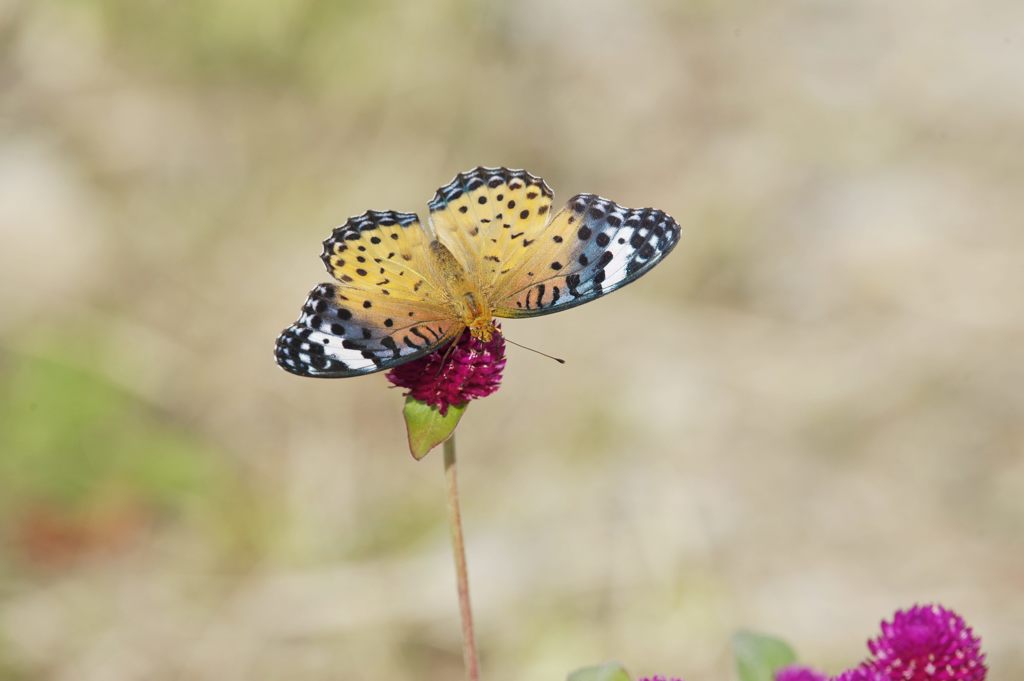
426	426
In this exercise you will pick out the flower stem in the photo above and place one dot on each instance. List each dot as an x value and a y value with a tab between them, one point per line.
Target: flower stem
461	575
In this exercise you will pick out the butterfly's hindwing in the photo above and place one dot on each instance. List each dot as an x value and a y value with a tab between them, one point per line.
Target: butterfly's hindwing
593	246
384	253
337	335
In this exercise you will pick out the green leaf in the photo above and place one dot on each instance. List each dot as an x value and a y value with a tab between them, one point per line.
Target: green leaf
610	671
426	427
758	657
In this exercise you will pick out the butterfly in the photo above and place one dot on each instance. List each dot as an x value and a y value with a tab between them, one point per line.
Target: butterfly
492	247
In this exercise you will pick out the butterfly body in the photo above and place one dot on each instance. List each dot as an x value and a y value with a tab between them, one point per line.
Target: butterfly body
467	302
491	248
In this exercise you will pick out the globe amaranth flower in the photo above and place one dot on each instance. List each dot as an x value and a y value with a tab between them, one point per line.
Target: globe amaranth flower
927	643
800	673
862	673
459	372
797	672
659	678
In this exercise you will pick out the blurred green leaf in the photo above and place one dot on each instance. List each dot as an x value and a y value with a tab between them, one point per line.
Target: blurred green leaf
68	434
86	459
426	426
758	656
610	671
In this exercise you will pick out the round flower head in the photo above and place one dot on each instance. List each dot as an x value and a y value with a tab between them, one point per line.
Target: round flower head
928	643
862	673
461	371
659	678
795	672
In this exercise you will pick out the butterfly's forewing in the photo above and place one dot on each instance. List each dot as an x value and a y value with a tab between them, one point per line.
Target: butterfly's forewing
487	216
593	246
386	309
384	254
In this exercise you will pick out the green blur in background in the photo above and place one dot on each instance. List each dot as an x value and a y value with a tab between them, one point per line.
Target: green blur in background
809	415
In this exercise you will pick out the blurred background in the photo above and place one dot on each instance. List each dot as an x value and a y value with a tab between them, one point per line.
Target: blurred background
821	420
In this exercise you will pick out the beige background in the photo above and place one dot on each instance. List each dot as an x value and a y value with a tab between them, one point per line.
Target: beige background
810	414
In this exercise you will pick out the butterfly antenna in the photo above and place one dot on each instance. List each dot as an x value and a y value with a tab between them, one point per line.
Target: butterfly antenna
544	354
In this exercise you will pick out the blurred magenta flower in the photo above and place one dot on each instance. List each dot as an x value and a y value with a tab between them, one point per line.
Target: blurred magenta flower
927	643
797	672
924	643
660	678
456	373
862	673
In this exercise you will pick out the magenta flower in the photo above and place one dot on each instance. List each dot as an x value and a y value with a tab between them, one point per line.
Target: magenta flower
659	678
797	672
927	643
862	673
456	373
